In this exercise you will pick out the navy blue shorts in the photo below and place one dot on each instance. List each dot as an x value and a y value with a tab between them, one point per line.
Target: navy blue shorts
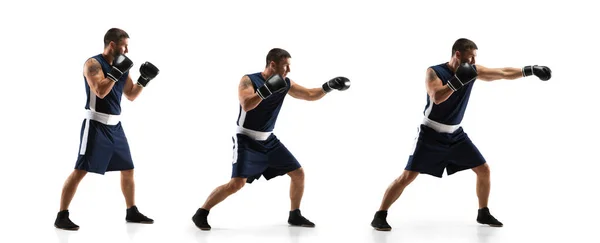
253	158
103	148
436	151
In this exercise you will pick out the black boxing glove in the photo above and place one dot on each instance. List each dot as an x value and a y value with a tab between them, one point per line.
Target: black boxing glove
339	83
273	85
147	72
120	65
542	72
464	75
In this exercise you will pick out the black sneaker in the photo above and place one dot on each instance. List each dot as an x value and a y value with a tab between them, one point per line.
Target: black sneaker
134	216
201	219
63	222
296	219
484	217
379	221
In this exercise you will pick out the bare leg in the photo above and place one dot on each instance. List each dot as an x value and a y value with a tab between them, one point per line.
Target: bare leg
68	192
296	188
392	194
70	187
483	184
483	193
223	191
128	187
396	188
219	194
296	192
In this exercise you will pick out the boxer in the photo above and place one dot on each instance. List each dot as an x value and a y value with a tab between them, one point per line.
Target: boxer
441	142
103	144
256	150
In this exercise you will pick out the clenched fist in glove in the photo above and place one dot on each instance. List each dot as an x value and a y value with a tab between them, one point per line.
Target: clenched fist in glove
339	83
147	72
542	72
273	85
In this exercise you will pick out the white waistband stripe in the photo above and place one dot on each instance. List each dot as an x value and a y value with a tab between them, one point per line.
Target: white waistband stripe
440	127
256	135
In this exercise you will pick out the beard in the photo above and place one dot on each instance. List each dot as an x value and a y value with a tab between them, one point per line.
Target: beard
115	53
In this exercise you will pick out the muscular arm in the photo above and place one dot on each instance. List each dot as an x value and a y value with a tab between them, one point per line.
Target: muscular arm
492	74
438	92
99	84
247	96
299	92
131	90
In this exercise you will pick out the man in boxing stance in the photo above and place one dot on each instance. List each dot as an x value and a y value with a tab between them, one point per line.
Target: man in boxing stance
103	145
442	143
257	151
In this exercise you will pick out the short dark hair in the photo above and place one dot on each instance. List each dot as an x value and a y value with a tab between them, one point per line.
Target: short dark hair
276	54
462	45
114	35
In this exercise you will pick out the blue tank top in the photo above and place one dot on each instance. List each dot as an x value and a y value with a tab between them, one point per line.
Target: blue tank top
263	117
111	103
451	111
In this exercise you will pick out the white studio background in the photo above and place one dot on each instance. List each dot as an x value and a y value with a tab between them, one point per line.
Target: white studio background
539	137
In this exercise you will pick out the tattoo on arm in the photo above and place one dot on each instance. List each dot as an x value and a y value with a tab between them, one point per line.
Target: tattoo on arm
431	76
245	83
93	67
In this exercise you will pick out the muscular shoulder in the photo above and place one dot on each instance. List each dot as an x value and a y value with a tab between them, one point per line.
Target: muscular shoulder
92	67
245	82
431	74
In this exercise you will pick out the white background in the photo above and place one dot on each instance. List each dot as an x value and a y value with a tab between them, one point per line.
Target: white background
540	138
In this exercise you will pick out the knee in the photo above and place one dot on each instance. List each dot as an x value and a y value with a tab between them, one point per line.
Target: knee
482	170
127	175
297	175
235	185
78	175
407	177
